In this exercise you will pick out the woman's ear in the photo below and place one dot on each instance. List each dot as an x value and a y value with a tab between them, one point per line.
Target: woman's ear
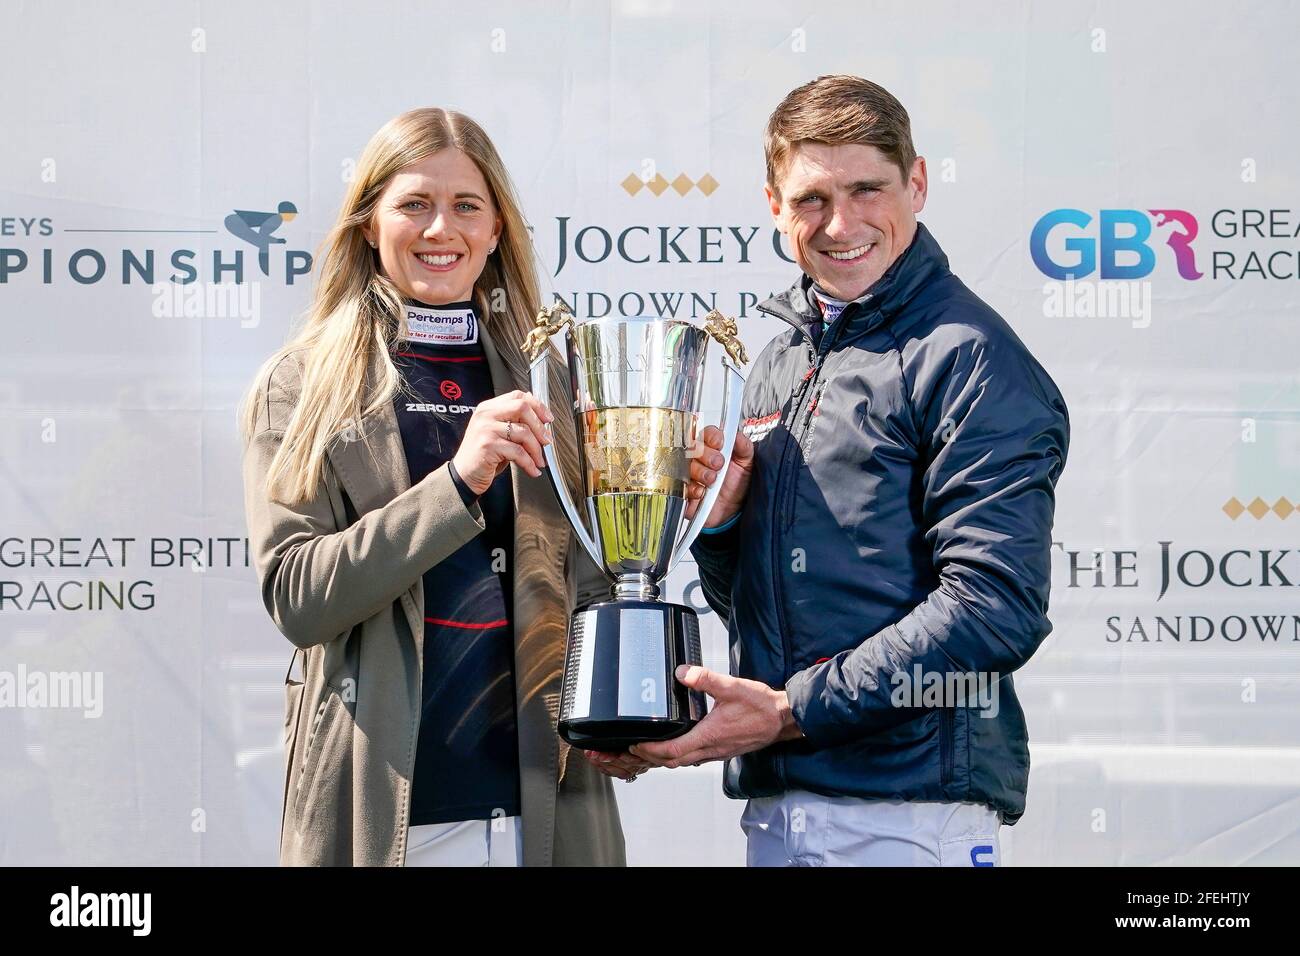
496	236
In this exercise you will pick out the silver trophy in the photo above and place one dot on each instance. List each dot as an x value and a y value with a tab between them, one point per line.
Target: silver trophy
636	385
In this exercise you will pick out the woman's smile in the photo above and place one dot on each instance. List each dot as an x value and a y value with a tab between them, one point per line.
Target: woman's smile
436	262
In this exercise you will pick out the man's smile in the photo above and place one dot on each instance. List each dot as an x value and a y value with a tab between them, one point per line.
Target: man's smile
854	255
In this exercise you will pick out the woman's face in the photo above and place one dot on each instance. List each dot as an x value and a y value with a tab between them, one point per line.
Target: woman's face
435	226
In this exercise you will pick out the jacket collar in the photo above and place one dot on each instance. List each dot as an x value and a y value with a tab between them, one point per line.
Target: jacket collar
921	263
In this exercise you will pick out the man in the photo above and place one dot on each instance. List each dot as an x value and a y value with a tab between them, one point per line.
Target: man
880	545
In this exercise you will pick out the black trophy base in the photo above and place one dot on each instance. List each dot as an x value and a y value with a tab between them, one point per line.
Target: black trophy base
619	733
619	687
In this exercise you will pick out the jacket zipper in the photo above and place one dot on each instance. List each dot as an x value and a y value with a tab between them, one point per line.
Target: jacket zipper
806	387
786	648
815	393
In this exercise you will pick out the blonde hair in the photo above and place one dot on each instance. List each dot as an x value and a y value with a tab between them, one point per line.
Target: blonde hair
838	111
356	310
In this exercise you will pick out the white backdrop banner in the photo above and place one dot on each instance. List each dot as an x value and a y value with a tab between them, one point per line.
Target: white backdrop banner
1117	180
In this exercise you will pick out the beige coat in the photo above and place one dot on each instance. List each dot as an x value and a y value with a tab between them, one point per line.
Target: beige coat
341	577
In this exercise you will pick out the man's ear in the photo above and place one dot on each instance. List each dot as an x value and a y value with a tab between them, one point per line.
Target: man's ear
774	205
919	184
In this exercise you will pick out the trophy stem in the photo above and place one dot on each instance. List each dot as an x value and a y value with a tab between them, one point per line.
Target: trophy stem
636	587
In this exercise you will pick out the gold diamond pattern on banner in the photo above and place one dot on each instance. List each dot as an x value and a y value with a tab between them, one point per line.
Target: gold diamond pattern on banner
1283	508
682	184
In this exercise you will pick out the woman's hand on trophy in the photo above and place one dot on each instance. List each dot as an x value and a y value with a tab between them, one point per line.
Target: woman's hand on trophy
507	428
621	765
704	471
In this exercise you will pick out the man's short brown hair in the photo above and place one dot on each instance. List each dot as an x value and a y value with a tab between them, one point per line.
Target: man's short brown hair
838	111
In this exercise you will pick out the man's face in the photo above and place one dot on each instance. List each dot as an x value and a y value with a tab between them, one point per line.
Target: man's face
847	212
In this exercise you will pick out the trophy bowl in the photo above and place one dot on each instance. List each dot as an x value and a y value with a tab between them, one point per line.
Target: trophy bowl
636	385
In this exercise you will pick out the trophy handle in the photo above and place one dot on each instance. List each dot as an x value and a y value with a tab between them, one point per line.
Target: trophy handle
732	393
541	383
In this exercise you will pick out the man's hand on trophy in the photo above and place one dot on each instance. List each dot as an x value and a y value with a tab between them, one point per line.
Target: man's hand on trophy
746	715
704	471
621	765
507	428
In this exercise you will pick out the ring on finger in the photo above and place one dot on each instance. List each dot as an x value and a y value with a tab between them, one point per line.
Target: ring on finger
509	425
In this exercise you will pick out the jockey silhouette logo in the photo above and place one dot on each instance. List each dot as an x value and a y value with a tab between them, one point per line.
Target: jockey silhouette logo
259	229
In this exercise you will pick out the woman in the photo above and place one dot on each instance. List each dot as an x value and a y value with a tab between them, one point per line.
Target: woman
428	581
